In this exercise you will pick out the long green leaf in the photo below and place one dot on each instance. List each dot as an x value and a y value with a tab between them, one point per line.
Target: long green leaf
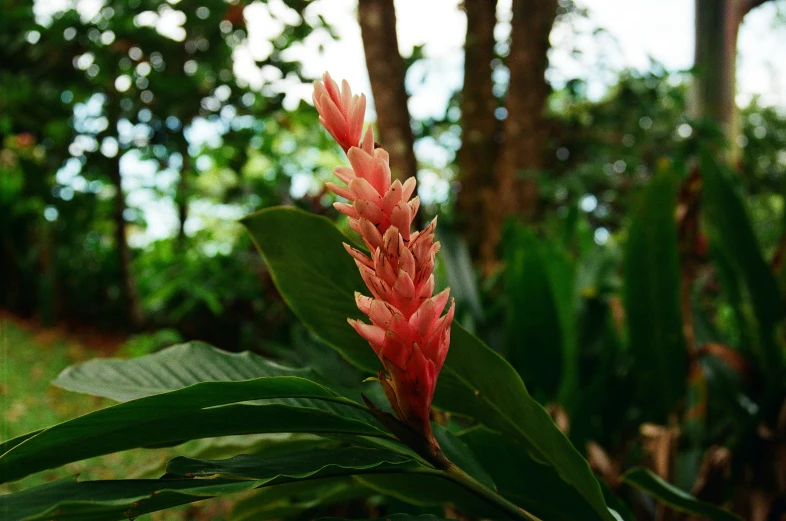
533	329
745	276
541	330
676	498
191	480
652	300
69	500
395	517
526	481
311	271
169	369
279	501
292	465
182	365
189	413
478	382
432	491
456	270
462	456
318	280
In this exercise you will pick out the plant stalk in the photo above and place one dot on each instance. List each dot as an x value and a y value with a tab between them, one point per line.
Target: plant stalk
458	476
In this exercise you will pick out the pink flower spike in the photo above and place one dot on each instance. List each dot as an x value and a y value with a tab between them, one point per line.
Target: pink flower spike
408	332
340	112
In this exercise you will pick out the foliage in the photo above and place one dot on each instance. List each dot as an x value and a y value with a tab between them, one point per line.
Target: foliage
662	355
643	309
470	386
130	101
652	483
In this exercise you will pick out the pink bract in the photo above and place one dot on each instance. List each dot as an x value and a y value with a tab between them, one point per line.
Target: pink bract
340	112
408	332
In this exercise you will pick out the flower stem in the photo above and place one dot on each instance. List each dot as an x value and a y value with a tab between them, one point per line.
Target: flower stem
461	478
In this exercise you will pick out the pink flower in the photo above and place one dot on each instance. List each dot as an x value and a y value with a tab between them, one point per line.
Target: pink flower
340	112
408	332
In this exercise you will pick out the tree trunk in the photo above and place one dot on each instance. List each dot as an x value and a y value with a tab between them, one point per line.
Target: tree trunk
386	70
128	290
181	191
714	87
479	125
522	155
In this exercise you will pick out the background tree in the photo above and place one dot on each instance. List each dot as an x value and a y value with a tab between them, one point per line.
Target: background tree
35	115
480	127
715	83
523	148
387	71
126	90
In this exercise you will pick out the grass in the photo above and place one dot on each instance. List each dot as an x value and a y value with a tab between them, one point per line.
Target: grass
29	360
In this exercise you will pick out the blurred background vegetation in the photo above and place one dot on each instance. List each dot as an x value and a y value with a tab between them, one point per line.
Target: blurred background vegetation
623	247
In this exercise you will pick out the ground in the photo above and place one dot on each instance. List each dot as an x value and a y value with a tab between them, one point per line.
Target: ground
30	357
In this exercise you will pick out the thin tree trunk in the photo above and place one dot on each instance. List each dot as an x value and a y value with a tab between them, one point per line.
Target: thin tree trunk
522	155
714	87
181	191
386	70
717	24
479	125
129	294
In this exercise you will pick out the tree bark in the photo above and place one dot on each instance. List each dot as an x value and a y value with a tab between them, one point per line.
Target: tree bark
479	125
386	70
714	87
128	290
522	155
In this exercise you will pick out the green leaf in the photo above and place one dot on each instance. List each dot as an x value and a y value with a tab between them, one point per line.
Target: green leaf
745	276
310	269
69	500
431	491
475	380
227	446
461	455
169	369
394	517
540	322
185	414
455	269
529	483
13	442
290	465
478	382
617	505
679	500
193	480
652	300
533	329
280	501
